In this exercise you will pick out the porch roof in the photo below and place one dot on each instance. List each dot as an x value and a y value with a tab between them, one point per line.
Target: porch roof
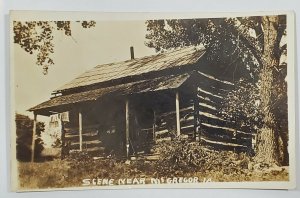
135	67
143	86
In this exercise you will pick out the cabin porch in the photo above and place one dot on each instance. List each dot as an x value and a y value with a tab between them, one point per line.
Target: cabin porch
128	125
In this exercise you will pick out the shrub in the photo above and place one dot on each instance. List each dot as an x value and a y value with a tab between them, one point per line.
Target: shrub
24	127
181	156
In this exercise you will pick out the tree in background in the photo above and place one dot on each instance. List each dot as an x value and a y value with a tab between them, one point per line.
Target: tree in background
24	127
250	48
36	37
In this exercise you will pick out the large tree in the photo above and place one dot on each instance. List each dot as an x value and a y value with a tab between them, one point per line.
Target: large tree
251	48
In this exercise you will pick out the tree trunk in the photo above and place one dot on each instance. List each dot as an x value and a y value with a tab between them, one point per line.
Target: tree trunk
267	139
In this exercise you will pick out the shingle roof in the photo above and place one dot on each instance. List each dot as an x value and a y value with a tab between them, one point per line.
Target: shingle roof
152	85
162	61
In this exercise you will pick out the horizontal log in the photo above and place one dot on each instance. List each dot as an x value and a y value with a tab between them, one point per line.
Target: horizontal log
183	123
205	105
212	122
222	90
187	129
206	115
211	112
207	101
92	142
188	122
217	145
243	134
85	146
70	133
164	139
182	110
94	149
213	98
162	132
217	136
84	137
213	130
221	142
209	92
162	128
208	79
212	89
147	130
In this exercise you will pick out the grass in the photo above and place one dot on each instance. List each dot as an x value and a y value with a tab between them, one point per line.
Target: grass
43	175
68	173
177	159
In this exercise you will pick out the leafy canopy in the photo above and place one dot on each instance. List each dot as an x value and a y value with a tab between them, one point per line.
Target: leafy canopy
235	42
36	37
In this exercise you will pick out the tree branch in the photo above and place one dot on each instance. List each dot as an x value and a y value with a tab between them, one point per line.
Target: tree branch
240	30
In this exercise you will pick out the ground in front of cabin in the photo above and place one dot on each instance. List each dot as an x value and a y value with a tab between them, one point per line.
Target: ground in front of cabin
201	165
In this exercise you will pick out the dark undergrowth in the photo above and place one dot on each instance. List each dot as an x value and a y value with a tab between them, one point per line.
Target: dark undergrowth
177	159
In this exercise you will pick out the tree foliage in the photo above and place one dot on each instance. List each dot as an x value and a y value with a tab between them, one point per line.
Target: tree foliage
236	42
36	37
251	49
24	126
241	108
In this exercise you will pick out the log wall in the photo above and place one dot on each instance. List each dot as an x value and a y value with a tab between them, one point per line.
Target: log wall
200	120
211	129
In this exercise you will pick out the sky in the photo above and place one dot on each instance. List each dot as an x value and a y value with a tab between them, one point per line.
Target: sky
108	41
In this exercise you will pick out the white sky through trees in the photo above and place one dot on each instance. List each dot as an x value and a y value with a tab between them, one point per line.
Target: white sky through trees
105	43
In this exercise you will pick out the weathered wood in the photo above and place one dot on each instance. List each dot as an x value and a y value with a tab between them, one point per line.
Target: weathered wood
80	129
219	145
164	139
154	125
210	96
196	117
162	132
87	144
177	114
187	129
218	136
127	126
212	119
62	139
163	135
33	136
211	80
217	128
170	113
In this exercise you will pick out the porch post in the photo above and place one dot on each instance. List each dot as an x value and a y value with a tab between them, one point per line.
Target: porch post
33	136
62	139
177	113
154	127
127	126
80	129
196	117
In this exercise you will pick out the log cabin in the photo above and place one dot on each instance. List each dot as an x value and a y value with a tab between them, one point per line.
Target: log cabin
125	108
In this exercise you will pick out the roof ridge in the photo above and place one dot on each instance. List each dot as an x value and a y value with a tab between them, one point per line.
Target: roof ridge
118	70
172	50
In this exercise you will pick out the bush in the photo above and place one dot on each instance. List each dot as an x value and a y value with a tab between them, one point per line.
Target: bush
24	127
181	156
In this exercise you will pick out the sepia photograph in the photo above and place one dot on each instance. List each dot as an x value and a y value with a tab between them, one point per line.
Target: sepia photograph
119	100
